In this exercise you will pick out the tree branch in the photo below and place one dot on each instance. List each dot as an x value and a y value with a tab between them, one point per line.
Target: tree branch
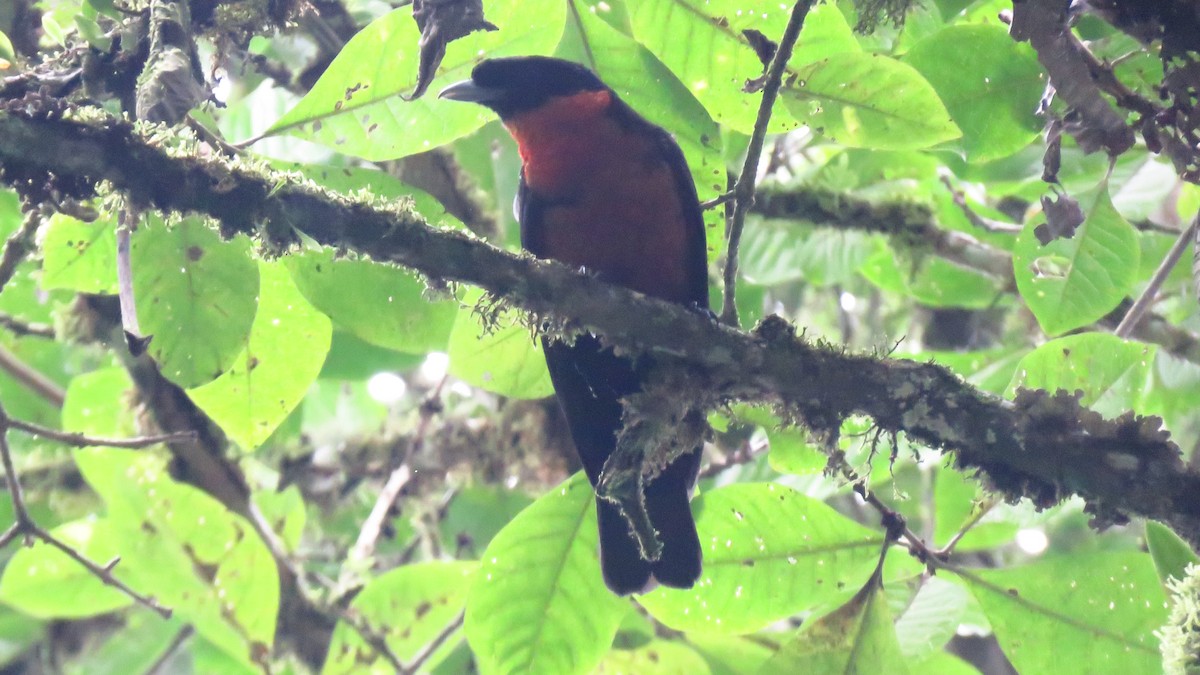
1040	446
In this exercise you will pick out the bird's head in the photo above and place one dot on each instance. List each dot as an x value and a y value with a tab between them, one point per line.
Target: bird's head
511	86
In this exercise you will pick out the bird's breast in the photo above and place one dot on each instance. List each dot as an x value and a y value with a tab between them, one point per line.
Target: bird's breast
612	204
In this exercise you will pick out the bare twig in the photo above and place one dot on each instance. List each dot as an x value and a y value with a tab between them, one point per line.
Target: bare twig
126	224
19	244
987	224
977	516
364	547
1142	304
177	642
82	441
744	190
25	525
716	201
412	667
31	379
23	329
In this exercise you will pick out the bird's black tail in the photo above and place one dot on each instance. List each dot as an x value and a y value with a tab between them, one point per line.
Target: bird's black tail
667	499
590	382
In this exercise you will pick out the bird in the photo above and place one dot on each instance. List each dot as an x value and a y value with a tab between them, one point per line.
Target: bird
604	189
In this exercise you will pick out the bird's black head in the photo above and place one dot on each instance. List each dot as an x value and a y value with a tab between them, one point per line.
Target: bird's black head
511	86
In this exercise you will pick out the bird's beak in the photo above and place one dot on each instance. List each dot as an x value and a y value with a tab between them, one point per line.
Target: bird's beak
470	92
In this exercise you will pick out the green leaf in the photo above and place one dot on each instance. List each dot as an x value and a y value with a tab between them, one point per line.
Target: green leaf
409	606
776	252
386	307
869	101
1073	282
287	346
1110	372
825	32
957	498
43	582
79	256
932	618
858	637
769	553
1088	613
659	657
1170	552
97	404
990	83
6	48
183	547
790	452
943	663
650	88
701	41
196	294
355	108
732	655
538	603
477	513
505	360
931	281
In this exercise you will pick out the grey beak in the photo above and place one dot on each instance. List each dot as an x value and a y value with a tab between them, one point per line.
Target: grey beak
470	92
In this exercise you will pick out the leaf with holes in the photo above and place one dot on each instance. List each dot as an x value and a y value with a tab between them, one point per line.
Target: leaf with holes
1110	372
769	552
1094	612
1072	282
355	108
868	101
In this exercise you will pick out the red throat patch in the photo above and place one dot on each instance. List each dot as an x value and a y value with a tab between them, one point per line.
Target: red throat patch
557	133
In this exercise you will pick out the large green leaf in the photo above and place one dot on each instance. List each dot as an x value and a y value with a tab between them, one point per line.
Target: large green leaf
1074	281
43	582
1086	613
869	101
504	360
97	403
355	107
990	83
183	547
409	606
196	294
769	552
79	256
380	303
932	618
658	657
931	281
858	637
1110	372
777	251
654	91
287	346
538	603
701	41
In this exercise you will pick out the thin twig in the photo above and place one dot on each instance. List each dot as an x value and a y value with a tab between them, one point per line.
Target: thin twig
744	190
31	379
1142	304
412	667
25	525
977	516
127	221
25	329
987	224
176	642
19	244
372	527
82	441
716	201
